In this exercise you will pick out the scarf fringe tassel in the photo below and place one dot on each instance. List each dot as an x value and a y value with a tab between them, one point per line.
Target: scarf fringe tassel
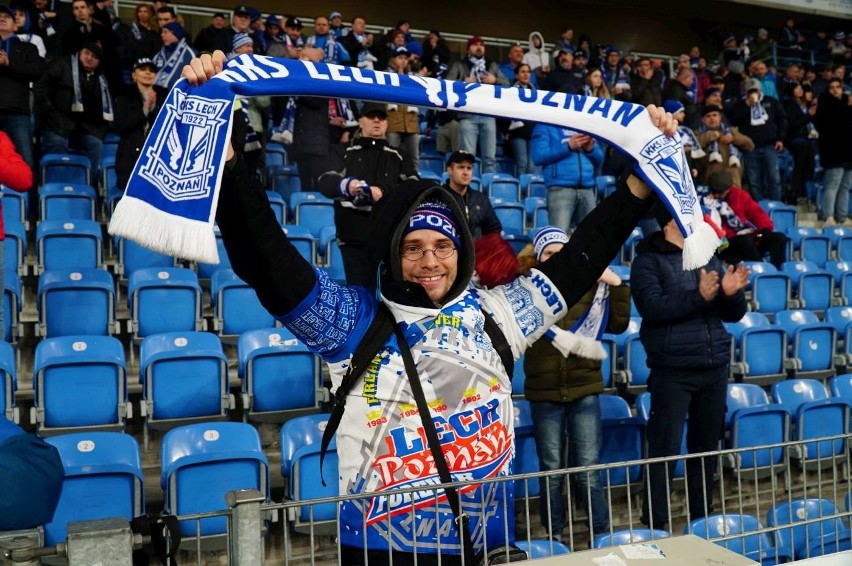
700	246
164	233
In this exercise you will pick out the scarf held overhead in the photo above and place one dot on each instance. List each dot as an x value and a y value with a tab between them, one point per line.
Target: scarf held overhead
170	202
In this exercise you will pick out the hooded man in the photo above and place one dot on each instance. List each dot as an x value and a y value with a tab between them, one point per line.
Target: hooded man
424	253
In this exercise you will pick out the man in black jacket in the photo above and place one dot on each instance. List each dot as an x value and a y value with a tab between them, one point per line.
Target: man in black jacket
371	167
762	118
20	65
688	351
74	105
481	218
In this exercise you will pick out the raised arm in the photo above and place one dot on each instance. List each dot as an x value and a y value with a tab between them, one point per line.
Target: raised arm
257	247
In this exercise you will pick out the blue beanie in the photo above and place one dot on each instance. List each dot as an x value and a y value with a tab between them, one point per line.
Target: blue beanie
437	216
176	29
546	236
672	106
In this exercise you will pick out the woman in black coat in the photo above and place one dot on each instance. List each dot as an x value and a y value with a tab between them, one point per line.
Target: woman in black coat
136	108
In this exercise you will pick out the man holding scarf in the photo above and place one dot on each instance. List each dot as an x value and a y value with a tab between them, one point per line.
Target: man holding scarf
427	260
761	118
473	128
175	53
563	381
688	352
19	66
74	105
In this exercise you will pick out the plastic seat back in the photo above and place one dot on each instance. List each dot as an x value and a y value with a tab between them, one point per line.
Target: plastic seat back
103	478
202	462
76	302
236	305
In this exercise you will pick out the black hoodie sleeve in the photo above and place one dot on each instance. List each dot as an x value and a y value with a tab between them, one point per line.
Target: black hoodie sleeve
594	243
257	247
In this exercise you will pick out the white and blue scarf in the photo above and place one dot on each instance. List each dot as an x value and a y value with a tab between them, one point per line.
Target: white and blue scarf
713	147
106	99
171	65
171	198
759	116
583	339
726	214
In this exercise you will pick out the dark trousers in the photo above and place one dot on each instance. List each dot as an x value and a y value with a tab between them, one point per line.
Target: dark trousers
351	556
752	247
804	153
678	394
357	265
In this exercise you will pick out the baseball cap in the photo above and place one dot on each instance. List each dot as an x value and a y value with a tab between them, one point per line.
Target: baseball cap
7	10
242	10
272	20
372	108
720	181
461	156
579	54
753	84
145	62
474	39
401	50
218	15
293	22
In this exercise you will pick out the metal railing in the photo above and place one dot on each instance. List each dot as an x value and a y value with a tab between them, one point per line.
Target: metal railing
254	534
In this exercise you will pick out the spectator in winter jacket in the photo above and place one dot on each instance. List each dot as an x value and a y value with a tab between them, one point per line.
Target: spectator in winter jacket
74	105
215	36
475	128
31	474
716	139
568	160
646	85
403	119
371	168
615	77
762	119
747	226
564	77
136	108
19	66
481	218
688	351
513	59
16	174
563	385
834	124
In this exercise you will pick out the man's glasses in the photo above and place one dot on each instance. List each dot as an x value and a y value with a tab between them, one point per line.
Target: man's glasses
416	253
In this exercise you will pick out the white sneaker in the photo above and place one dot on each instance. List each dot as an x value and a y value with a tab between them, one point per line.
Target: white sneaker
830	221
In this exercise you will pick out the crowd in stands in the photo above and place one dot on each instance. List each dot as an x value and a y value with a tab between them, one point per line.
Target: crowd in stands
83	73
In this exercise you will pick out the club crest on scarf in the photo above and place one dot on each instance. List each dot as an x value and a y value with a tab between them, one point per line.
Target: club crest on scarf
184	171
667	157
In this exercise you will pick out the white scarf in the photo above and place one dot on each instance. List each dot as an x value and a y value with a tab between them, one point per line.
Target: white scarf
170	203
758	112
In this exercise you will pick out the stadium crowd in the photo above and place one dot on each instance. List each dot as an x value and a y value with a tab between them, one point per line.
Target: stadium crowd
72	74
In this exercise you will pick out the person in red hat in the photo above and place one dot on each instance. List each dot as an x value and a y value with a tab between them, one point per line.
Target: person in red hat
474	128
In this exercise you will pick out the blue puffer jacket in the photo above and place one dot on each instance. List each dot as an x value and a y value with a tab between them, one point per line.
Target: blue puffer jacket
560	166
679	328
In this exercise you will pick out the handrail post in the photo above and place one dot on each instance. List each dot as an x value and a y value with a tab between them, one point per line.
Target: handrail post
246	524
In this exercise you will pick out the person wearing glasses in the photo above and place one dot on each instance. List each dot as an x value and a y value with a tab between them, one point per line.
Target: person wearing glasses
417	236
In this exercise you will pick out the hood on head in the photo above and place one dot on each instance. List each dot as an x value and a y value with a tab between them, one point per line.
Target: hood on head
540	37
388	221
